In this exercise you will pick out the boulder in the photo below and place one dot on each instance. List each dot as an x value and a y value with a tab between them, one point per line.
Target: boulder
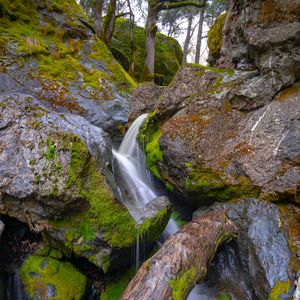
144	99
49	51
56	176
1	227
262	35
49	277
168	52
205	148
262	246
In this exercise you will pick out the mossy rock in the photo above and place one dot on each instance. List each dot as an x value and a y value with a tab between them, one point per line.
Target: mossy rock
46	277
168	52
214	38
280	288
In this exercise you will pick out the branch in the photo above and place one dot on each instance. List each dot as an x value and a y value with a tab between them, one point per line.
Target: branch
122	14
174	5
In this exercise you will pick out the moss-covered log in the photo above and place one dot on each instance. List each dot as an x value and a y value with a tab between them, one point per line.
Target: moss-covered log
182	261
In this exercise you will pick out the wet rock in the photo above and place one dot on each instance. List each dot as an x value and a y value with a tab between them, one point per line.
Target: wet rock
1	227
205	149
144	99
262	245
182	260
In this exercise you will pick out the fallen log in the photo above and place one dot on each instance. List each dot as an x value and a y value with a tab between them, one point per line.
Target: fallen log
183	259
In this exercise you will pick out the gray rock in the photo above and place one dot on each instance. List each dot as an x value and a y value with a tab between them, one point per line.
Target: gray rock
144	99
262	243
1	227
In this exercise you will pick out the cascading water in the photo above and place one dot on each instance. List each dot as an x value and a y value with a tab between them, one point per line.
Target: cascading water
140	183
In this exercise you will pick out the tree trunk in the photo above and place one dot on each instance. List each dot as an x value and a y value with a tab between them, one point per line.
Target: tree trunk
199	36
182	260
110	21
187	39
98	15
132	43
151	28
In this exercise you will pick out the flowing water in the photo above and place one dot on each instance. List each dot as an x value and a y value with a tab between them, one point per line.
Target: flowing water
140	183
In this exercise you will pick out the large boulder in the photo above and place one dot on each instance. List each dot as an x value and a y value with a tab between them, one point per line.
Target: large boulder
168	52
260	258
56	176
205	148
49	50
262	35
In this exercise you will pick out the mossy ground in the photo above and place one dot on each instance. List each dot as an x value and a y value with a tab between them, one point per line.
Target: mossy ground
168	53
37	272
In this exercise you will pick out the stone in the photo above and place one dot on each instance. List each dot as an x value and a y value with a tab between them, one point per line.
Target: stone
262	244
144	99
206	148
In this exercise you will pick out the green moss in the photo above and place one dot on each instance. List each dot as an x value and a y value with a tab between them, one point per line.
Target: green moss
211	186
281	287
177	217
168	53
50	154
115	289
37	272
211	69
152	228
223	296
214	39
149	139
181	284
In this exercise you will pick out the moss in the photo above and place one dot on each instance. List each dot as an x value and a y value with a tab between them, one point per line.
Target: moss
214	36
50	154
152	228
114	289
211	186
177	217
168	53
281	287
148	138
37	272
223	296
181	284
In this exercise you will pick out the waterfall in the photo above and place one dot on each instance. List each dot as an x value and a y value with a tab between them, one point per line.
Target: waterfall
140	183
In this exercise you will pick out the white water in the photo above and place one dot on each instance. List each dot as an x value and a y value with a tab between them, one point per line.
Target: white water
139	181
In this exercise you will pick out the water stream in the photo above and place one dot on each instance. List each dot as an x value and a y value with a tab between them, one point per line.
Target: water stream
140	183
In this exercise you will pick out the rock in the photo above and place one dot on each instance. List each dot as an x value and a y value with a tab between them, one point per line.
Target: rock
168	52
264	35
262	245
46	277
182	259
205	148
144	99
63	65
55	175
1	227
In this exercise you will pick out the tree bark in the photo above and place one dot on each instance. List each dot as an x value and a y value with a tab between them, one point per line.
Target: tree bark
199	35
131	70
187	39
98	15
110	21
183	259
151	28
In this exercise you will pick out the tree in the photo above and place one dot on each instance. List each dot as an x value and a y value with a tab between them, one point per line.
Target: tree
109	22
154	7
199	35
